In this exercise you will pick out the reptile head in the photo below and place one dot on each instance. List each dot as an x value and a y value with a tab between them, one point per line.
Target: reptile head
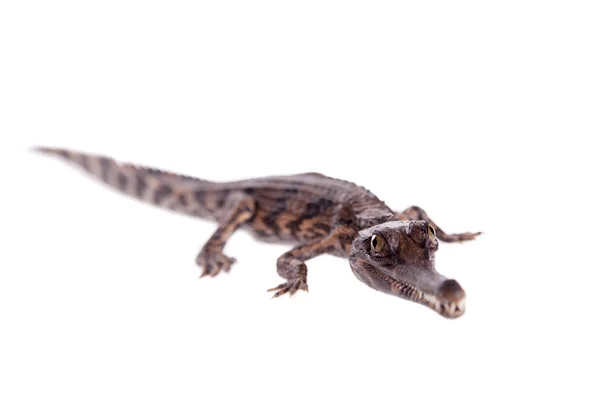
398	258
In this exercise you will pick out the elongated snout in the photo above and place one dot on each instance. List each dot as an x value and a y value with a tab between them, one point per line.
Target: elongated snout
441	294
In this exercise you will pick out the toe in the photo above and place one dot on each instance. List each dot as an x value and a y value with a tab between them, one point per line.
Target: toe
468	236
294	288
281	292
278	287
204	273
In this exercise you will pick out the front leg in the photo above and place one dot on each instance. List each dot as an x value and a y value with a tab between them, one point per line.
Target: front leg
291	266
238	209
415	213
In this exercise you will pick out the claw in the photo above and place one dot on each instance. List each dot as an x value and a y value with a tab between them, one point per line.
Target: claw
280	293
214	262
203	274
290	287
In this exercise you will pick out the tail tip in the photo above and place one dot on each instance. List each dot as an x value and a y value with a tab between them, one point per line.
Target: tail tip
48	150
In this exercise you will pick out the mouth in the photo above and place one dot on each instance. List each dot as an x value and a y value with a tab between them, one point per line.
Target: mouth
449	308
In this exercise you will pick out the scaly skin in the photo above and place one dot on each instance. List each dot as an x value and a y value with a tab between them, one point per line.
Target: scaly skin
392	252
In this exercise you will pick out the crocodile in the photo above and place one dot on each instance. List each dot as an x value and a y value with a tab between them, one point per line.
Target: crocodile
390	251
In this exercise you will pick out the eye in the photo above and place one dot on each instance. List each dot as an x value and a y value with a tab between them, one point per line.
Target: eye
431	232
376	243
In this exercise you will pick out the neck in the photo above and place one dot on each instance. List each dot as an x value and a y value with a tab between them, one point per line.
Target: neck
372	217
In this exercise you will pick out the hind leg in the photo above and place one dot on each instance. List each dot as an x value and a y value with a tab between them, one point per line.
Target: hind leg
211	258
415	213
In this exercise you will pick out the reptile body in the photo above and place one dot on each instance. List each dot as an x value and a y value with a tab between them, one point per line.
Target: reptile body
392	252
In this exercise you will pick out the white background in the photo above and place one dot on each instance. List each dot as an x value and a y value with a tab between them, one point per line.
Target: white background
482	113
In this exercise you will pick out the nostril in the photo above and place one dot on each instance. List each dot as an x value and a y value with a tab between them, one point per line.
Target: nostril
450	290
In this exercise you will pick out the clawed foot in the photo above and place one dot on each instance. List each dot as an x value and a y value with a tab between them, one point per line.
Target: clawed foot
214	262
459	237
290	287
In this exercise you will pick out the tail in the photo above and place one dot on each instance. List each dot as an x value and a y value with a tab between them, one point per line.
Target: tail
166	189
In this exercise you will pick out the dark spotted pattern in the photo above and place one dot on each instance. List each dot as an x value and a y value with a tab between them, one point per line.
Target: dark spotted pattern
123	180
140	186
161	193
105	165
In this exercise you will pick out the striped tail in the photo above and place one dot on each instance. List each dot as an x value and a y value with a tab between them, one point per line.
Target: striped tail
177	192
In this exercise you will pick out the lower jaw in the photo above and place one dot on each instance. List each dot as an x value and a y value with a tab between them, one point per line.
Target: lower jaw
444	308
452	310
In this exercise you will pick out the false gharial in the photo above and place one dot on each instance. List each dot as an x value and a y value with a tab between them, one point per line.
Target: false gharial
390	251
